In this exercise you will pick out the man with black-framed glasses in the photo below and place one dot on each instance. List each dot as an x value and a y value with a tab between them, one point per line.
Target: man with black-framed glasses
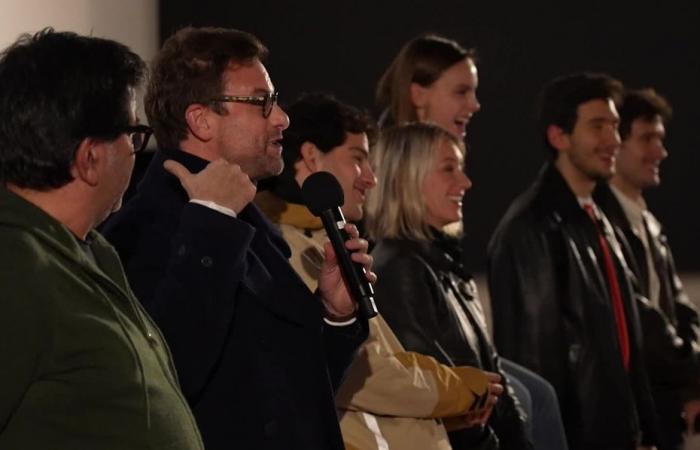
82	364
258	354
139	136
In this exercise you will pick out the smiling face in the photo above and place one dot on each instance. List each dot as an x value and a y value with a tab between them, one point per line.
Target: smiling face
587	154
349	163
641	154
450	102
242	135
445	185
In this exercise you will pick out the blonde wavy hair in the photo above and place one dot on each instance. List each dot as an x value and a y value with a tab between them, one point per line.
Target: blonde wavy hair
402	158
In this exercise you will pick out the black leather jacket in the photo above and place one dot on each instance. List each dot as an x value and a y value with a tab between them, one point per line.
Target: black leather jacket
671	329
416	281
552	313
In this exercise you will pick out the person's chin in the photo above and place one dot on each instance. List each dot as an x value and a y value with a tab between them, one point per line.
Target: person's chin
355	215
653	181
603	172
274	167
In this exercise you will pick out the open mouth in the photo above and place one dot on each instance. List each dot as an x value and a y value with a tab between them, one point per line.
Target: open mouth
654	169
456	199
461	123
276	143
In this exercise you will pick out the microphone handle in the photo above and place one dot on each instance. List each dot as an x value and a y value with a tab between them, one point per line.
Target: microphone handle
354	274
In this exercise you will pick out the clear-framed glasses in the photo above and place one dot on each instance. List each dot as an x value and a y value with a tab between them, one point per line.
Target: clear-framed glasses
139	136
267	101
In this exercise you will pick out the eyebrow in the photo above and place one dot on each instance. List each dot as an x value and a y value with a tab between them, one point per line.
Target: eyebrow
603	120
360	149
452	159
262	91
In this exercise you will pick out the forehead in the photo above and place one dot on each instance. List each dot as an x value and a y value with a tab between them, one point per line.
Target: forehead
246	78
356	141
463	72
642	125
447	150
597	109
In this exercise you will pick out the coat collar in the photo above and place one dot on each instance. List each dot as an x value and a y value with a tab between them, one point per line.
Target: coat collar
604	197
159	183
554	199
442	253
165	189
555	193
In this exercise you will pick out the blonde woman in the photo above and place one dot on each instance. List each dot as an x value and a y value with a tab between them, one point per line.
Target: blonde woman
434	79
423	292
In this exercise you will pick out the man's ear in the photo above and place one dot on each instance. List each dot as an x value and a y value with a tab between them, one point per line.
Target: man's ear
558	138
199	121
311	157
88	158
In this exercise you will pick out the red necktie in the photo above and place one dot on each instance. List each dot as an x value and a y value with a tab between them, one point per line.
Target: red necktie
614	287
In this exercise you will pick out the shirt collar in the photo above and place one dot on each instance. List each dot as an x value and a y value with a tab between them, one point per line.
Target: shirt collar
633	209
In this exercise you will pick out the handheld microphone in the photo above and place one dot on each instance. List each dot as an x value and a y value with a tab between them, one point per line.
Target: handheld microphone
323	196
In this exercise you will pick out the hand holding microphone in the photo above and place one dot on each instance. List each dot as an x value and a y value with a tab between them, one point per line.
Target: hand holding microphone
346	274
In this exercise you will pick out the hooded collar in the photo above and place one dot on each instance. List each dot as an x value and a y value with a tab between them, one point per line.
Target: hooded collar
287	213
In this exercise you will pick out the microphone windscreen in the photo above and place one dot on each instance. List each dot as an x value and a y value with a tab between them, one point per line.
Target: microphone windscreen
321	192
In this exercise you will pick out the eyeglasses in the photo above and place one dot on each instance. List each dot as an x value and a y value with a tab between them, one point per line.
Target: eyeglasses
267	101
139	136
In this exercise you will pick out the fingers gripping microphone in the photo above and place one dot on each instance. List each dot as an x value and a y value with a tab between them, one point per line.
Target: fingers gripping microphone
324	197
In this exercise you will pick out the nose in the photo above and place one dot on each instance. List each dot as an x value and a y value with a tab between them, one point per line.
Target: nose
475	105
613	137
368	176
662	152
466	181
279	118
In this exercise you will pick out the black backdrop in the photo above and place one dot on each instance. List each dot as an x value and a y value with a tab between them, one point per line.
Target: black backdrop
343	47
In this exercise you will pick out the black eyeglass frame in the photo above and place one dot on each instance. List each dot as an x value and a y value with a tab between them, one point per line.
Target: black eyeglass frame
267	101
142	132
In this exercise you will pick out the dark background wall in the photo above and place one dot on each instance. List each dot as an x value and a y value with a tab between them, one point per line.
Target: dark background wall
343	47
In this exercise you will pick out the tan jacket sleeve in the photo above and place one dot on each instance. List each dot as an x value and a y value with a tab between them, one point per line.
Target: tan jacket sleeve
386	380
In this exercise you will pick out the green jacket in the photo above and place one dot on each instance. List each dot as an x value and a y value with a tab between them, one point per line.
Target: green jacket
82	366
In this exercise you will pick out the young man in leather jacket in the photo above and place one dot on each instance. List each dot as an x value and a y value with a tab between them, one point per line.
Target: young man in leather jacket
562	302
668	318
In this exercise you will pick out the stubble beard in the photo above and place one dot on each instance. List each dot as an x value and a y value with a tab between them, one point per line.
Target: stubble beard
268	166
591	171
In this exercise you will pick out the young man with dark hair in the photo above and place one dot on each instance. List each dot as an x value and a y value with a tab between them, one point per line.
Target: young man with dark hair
83	366
391	398
562	303
330	136
669	320
258	353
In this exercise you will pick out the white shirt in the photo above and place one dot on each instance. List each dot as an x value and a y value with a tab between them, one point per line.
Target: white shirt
634	211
